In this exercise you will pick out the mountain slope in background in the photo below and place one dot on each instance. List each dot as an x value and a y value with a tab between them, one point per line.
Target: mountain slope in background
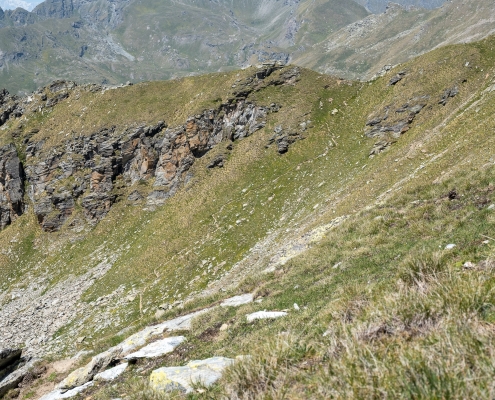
119	41
113	42
379	6
362	48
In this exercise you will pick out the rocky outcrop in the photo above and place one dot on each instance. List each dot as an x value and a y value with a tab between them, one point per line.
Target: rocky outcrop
9	106
448	94
284	138
9	357
91	171
390	123
11	185
13	369
396	78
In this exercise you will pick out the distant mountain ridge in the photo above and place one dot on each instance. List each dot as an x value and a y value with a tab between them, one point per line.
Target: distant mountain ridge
114	42
378	6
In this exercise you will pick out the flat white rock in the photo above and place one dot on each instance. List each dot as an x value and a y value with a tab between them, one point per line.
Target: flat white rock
111	374
237	301
57	394
205	372
158	348
140	338
265	315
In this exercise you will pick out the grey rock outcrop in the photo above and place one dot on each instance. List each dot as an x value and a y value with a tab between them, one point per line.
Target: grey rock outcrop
390	123
283	138
13	369
448	94
396	78
91	171
9	105
11	185
8	357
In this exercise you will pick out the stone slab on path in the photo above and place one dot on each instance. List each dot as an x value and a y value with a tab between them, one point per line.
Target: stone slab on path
265	315
158	348
140	338
112	373
237	301
205	372
59	394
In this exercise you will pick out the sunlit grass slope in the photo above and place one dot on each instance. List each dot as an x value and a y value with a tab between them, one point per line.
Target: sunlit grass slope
403	318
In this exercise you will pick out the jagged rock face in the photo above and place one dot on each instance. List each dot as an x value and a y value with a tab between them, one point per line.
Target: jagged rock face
94	163
11	185
393	121
9	105
92	171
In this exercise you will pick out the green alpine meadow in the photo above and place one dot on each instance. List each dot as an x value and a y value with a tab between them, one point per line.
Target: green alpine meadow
303	209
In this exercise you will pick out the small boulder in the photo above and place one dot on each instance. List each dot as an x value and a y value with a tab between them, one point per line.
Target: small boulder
448	94
238	300
265	315
217	162
397	78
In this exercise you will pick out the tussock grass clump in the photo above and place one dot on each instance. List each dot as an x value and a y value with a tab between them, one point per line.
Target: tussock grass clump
422	269
267	373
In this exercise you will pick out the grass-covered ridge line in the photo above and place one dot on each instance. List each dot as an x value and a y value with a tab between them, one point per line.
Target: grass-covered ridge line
404	318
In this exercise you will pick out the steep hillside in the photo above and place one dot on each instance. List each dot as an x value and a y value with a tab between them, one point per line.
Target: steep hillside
362	212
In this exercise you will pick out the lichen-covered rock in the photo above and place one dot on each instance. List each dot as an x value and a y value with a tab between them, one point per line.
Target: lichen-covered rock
204	372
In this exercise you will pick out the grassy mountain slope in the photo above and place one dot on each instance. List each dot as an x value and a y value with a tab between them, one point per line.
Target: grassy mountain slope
404	318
